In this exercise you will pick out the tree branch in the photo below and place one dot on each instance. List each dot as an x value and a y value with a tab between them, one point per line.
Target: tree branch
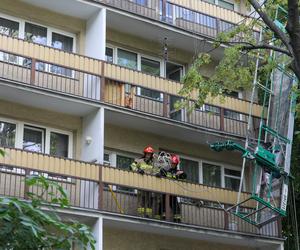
269	22
250	46
293	29
266	46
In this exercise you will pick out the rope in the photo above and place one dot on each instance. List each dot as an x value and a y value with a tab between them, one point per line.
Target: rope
115	199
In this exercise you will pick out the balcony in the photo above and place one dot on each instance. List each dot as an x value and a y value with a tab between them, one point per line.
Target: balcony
201	17
103	188
59	72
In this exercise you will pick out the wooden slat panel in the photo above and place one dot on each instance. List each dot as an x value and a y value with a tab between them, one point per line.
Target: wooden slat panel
115	72
210	9
135	180
41	162
51	55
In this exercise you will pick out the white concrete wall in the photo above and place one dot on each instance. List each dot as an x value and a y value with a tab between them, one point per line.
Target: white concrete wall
93	128
96	35
98	233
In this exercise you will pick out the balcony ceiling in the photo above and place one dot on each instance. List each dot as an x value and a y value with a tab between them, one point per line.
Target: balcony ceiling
179	231
44	100
67	7
167	128
156	31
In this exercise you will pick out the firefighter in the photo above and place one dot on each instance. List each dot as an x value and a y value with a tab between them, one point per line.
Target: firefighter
144	165
176	174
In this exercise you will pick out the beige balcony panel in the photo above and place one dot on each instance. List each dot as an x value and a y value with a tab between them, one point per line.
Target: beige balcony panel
185	189
92	66
192	26
148	106
50	55
210	9
41	162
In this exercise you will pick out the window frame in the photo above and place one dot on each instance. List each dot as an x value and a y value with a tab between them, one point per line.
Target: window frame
216	2
223	166
113	157
50	31
20	125
163	63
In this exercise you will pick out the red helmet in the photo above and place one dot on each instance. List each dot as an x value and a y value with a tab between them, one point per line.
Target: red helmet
175	159
148	149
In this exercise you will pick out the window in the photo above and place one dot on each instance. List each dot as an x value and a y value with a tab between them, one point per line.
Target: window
124	162
127	59
173	71
59	144
210	1
222	3
141	2
137	61
211	175
63	43
106	160
226	5
35	33
191	168
175	114
9	28
233	94
109	55
232	179
231	114
33	139
153	94
150	66
209	109
7	134
195	17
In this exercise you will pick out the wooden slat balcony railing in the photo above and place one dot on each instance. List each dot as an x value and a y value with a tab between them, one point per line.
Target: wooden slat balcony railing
54	70
104	188
199	17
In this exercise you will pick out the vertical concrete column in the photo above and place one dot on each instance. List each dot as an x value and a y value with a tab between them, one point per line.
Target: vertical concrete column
92	151
95	40
93	136
98	233
95	43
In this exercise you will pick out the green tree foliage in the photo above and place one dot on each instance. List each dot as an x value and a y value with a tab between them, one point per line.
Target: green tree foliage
25	225
235	71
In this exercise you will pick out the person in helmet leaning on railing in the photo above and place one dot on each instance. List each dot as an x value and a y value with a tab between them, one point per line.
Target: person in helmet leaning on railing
176	174
144	165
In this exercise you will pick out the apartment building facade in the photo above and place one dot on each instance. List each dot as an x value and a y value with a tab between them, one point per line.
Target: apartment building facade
85	85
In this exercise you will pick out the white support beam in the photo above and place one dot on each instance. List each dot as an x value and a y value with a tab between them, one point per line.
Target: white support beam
98	233
95	41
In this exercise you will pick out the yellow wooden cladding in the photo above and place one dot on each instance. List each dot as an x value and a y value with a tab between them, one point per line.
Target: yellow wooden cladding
51	55
171	87
163	185
210	9
115	72
83	170
47	163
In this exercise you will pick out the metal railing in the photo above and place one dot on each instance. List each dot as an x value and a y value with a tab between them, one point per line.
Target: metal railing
50	69
103	188
211	21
